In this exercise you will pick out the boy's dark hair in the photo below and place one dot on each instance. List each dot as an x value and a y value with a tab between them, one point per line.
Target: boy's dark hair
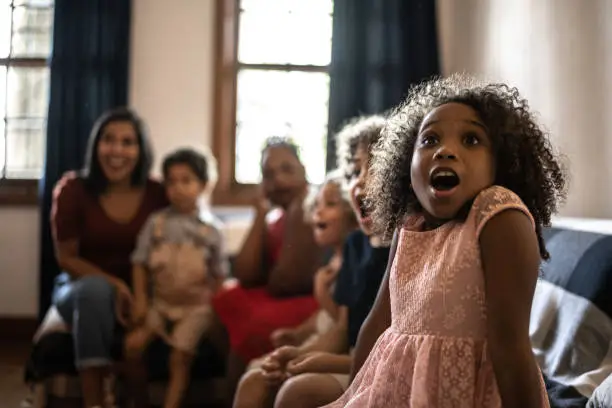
200	163
92	174
280	141
525	160
361	131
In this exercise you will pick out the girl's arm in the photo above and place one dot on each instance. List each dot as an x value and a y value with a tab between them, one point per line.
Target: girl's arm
511	259
248	265
335	340
322	289
378	320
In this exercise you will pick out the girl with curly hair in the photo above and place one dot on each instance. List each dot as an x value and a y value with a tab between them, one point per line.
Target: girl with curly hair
467	179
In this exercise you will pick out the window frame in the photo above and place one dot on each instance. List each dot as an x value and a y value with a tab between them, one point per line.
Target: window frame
228	191
20	191
14	191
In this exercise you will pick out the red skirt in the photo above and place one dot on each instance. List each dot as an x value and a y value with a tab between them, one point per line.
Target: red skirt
251	315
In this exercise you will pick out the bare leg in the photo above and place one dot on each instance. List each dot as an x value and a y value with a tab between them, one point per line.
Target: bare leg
254	392
91	385
235	369
308	391
180	367
135	369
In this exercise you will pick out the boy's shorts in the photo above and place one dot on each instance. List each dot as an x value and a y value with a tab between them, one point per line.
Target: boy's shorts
184	333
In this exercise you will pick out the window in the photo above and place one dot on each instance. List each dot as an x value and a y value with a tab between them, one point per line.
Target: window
25	46
272	80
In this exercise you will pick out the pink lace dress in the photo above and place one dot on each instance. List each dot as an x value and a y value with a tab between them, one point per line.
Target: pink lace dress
434	355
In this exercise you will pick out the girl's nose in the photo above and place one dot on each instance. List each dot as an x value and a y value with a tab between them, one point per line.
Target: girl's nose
445	153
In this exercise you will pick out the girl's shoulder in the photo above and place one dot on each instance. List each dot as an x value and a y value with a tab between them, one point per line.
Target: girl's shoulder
492	201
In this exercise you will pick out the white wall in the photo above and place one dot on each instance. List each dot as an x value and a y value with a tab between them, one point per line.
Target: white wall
172	71
559	54
171	78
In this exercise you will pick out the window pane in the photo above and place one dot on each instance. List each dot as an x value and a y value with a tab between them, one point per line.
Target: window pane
289	32
25	146
28	92
32	28
2	94
5	28
277	103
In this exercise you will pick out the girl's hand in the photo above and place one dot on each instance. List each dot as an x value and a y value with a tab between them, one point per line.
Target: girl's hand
123	302
274	366
325	277
313	362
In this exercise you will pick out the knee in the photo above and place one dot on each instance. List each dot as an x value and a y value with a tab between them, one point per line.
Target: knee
133	347
295	392
251	383
93	290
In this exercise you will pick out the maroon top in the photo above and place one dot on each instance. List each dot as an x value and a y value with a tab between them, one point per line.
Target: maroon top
108	244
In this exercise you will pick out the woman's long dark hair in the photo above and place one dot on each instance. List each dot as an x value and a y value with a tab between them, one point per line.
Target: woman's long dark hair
92	174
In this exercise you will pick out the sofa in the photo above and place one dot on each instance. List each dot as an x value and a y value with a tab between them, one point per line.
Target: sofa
571	319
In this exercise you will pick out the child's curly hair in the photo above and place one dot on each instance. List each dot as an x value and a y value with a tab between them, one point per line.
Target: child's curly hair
360	131
335	177
525	160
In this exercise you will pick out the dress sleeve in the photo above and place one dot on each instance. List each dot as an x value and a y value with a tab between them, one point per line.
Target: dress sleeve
496	200
67	208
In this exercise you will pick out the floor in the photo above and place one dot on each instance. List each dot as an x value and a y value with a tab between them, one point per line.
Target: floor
12	358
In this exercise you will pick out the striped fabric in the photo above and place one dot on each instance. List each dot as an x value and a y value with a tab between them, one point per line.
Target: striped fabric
571	320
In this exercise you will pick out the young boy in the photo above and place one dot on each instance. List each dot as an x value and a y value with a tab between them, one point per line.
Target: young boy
179	261
317	373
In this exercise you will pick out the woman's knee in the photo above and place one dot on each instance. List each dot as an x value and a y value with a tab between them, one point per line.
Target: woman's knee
93	290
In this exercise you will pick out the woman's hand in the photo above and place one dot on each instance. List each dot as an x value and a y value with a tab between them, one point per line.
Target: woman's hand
312	362
123	302
262	203
140	308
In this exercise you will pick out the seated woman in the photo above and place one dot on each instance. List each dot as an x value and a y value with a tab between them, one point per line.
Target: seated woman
96	216
333	219
276	264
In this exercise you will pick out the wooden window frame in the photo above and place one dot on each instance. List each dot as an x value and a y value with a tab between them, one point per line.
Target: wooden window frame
228	191
14	191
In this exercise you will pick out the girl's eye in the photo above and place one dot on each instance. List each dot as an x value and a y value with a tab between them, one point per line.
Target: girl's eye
471	139
429	140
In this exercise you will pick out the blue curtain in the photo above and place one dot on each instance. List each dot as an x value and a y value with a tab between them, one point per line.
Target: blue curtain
89	74
379	49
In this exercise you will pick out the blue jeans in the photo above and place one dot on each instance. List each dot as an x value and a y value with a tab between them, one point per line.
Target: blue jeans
87	305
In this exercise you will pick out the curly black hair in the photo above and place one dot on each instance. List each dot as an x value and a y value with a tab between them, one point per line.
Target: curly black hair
360	131
525	161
